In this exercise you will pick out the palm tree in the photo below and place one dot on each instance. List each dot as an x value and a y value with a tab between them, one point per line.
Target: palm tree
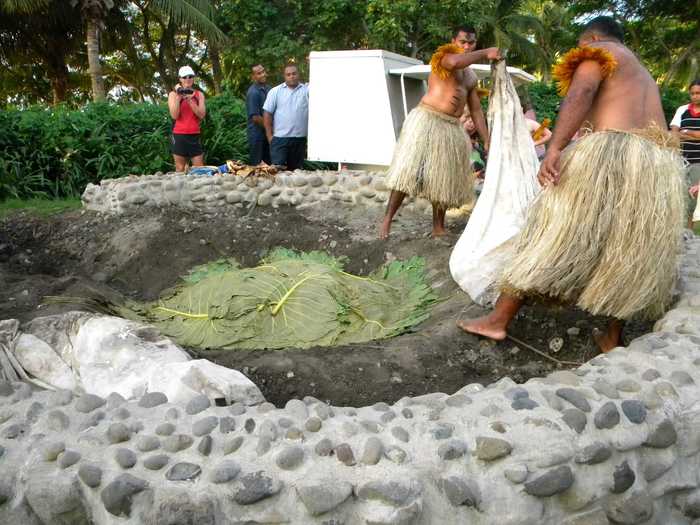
196	13
509	26
555	33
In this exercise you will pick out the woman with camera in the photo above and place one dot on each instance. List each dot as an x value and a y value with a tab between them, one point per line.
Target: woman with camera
187	108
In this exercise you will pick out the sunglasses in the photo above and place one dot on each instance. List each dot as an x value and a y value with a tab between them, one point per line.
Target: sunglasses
188	76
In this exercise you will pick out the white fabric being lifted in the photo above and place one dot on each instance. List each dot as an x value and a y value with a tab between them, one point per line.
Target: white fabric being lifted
510	186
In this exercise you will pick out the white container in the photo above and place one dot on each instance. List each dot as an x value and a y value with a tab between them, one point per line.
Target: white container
355	105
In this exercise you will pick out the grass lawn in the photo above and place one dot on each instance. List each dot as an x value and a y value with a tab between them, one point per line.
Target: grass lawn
41	207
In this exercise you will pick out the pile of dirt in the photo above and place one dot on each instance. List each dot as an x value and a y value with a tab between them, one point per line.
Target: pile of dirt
140	255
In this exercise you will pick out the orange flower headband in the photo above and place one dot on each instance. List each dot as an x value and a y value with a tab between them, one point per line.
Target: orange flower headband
564	71
436	66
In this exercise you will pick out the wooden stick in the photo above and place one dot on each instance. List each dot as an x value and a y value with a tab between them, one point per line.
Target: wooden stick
543	354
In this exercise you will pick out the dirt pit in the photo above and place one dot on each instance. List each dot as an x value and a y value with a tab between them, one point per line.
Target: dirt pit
138	256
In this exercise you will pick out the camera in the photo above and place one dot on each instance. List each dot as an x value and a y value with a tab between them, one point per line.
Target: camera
185	91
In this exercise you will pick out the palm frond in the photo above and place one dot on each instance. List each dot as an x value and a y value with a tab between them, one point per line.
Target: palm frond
198	13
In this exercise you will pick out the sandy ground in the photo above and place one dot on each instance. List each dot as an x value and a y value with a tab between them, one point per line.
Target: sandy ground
140	255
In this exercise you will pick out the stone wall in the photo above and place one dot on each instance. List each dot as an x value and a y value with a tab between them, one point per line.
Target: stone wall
212	193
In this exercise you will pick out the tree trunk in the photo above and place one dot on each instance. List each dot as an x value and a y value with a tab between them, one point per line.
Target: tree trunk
95	68
216	67
59	87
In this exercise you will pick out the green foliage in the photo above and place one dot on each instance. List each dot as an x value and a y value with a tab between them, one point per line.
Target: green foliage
291	300
544	100
56	152
41	207
672	99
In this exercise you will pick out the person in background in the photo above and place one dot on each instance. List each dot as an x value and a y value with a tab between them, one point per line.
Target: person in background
286	119
187	108
540	134
478	156
686	125
258	145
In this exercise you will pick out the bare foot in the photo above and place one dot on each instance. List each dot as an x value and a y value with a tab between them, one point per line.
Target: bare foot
384	229
439	232
483	326
605	341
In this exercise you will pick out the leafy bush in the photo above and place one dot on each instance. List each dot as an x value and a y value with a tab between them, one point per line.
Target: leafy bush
56	152
545	100
672	99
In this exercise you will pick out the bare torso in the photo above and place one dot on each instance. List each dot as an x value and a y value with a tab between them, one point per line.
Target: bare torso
627	99
450	95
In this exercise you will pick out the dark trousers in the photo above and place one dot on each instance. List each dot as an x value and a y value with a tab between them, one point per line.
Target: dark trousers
288	151
258	150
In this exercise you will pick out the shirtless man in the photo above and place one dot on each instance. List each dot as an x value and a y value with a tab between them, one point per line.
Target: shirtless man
616	266
427	161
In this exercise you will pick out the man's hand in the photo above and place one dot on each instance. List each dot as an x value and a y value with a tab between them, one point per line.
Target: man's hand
693	190
549	169
493	53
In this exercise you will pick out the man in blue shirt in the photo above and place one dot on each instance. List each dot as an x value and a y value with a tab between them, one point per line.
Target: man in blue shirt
258	145
286	118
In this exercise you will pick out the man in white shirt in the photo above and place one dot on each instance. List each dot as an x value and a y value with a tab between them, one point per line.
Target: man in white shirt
286	119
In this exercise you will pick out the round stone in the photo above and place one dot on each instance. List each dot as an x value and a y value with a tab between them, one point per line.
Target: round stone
297	409
205	426
231	445
623	478
156	462
344	454
205	445
91	475
516	392
172	414
268	430
663	436
118	433
651	374
386	417
177	442
183	472
125	458
554	481
380	407
323	411
255	487
165	429
263	446
634	410
324	447
153	399
407	413
607	416
442	431
57	420
313	424
290	458
121	414
68	458
227	425
594	453
373	451
516	473
523	403
490	449
605	388
224	472
249	425
61	397
285	422
88	402
574	397
197	404
146	443
628	385
681	378
458	401
117	495
400	433
575	419
396	454
51	451
452	449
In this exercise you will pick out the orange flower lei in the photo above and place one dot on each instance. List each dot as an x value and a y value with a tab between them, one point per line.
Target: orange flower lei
564	71
436	66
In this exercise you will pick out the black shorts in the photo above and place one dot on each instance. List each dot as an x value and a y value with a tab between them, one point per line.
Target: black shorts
185	145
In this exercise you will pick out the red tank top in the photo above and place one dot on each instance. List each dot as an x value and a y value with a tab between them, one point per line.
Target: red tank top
187	123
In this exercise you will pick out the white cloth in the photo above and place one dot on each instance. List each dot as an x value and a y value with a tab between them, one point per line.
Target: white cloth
510	186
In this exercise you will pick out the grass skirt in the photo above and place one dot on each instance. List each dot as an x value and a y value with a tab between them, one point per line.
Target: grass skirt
608	236
431	159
